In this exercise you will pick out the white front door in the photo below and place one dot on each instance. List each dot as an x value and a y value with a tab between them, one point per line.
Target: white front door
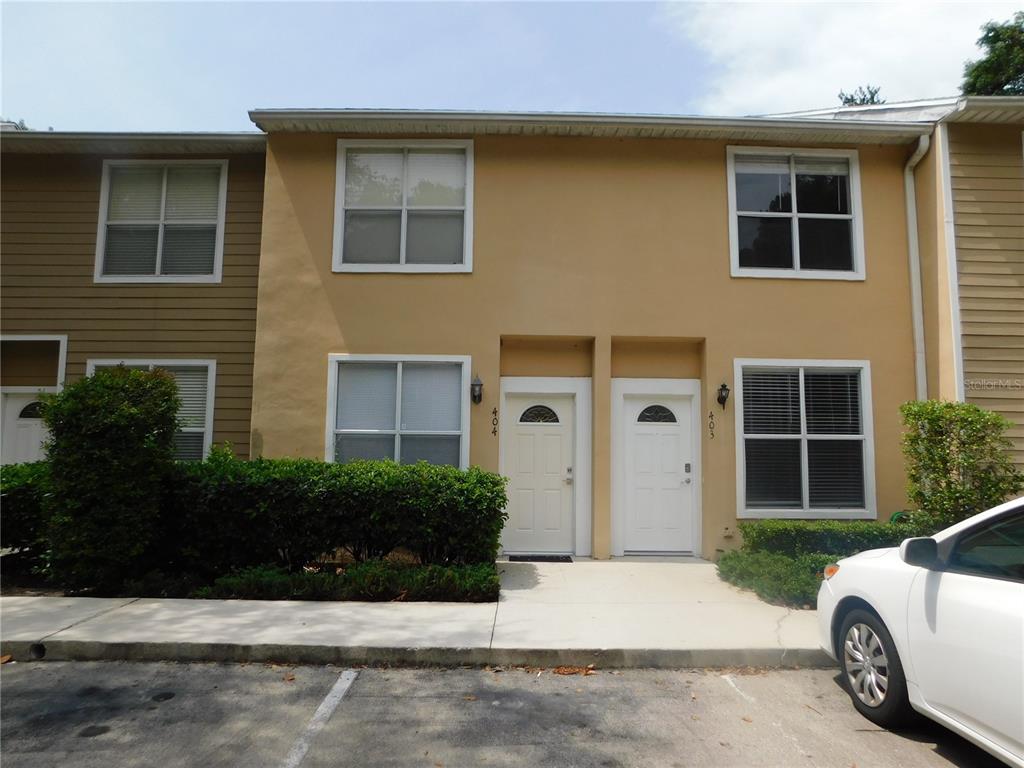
23	431
659	471
538	461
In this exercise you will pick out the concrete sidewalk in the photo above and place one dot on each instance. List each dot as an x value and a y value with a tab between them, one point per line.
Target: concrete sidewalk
613	614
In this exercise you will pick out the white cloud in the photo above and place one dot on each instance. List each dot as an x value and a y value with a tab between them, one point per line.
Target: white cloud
776	57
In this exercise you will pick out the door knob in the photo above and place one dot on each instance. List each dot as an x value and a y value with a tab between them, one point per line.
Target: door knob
687	481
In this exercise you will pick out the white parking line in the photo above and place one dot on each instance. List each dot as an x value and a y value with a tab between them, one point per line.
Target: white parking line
730	681
320	717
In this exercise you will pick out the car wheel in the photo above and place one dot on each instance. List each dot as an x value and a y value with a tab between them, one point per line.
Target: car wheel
872	671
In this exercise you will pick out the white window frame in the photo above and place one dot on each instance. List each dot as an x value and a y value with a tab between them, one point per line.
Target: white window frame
338	262
211	380
333	366
62	360
856	216
101	230
869	510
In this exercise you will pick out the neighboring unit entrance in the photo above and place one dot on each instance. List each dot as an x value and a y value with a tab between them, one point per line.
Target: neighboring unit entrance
538	460
23	430
656	467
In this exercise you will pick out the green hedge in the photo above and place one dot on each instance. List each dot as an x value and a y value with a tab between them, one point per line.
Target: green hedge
224	515
774	577
23	488
233	514
373	580
782	560
841	538
111	452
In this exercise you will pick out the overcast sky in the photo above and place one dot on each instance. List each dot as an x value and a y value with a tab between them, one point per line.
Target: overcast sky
201	66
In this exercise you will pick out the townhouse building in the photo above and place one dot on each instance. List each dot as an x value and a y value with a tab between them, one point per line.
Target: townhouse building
653	326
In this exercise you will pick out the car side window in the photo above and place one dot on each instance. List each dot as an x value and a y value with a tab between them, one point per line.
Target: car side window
995	550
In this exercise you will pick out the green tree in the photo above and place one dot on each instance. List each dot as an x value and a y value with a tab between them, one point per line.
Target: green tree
1000	72
863	94
111	446
958	460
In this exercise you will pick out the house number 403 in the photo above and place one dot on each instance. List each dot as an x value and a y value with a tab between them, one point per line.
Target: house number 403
711	425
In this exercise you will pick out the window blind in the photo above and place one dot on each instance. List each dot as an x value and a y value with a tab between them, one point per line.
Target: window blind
162	220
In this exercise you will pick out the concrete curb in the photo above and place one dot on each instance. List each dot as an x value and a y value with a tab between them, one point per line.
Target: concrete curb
607	658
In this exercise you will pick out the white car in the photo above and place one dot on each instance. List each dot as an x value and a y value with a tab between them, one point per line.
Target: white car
937	626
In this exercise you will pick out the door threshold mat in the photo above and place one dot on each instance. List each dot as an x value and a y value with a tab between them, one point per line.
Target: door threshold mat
540	558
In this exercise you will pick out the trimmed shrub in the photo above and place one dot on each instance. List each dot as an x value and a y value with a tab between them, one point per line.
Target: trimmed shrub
958	461
225	514
110	450
23	488
373	580
774	577
453	517
797	537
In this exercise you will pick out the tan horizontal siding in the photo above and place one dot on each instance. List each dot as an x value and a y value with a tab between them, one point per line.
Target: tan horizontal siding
49	206
987	176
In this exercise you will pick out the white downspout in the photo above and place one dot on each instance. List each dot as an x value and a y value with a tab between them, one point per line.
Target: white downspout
914	256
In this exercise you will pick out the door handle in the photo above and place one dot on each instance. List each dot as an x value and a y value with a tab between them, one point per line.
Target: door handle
568	475
687	481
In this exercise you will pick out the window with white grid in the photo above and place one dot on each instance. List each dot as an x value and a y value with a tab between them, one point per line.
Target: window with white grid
804	440
795	213
404	206
161	221
408	410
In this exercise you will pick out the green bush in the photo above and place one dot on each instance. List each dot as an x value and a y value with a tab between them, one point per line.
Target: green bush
225	514
110	450
776	578
23	488
797	537
372	580
958	461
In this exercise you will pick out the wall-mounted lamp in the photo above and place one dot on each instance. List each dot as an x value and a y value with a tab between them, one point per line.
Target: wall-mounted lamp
476	390
723	395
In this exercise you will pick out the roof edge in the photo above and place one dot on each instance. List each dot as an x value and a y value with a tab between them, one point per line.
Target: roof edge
263	117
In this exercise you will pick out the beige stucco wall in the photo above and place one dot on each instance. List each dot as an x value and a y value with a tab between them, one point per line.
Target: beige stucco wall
586	239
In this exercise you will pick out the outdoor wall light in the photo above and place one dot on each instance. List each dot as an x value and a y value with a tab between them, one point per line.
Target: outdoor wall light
723	395
476	390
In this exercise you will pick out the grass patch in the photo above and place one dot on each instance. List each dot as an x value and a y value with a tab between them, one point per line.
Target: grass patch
372	580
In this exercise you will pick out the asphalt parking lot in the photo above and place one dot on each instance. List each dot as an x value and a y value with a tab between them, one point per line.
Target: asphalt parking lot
86	714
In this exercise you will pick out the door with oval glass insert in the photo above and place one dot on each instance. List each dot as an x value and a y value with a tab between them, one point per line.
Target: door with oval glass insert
538	450
659	475
23	431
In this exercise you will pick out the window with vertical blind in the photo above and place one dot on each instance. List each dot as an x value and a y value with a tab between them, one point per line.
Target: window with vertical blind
407	409
404	206
804	441
195	380
161	221
795	213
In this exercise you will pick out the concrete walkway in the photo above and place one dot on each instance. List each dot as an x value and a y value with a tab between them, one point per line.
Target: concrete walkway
619	613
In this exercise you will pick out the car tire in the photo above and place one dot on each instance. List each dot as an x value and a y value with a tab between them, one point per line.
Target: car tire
872	672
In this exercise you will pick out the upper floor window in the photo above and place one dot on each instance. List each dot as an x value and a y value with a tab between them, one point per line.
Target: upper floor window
804	439
161	221
404	206
795	213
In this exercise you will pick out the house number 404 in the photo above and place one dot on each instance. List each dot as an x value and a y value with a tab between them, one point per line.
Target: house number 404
494	421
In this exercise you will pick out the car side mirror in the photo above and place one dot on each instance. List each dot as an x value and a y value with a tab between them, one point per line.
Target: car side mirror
923	552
